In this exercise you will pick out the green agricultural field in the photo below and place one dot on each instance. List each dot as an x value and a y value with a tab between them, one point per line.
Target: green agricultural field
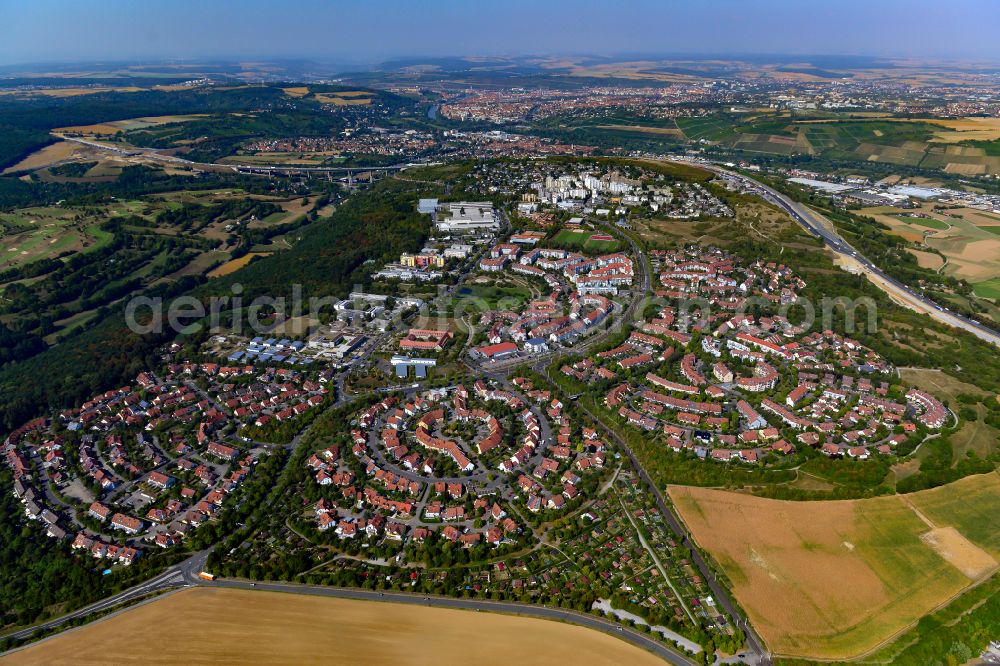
840	137
971	505
104	170
992	230
764	143
711	128
924	222
987	289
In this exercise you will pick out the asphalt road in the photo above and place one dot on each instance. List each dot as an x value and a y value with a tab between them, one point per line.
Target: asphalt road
914	300
756	652
185	574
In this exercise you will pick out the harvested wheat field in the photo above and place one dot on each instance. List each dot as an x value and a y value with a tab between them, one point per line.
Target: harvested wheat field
967	557
127	125
349	98
212	626
833	580
234	265
966	129
971	504
47	156
972	250
928	260
69	92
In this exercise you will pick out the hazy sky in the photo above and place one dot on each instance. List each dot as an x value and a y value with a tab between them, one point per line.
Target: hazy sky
371	30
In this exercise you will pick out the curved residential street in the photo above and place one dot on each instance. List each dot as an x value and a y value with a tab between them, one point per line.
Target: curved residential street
185	574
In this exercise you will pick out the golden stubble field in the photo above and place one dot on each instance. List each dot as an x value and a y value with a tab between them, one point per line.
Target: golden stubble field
234	265
220	626
116	126
50	154
834	580
966	129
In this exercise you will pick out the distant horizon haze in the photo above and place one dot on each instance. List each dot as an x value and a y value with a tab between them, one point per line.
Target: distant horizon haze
363	34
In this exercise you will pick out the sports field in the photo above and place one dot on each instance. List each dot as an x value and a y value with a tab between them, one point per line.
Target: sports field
833	580
581	239
219	626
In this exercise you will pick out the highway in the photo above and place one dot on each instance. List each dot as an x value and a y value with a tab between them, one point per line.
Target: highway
895	289
809	220
185	574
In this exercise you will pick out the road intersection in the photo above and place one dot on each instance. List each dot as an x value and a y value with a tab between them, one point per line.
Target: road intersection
185	574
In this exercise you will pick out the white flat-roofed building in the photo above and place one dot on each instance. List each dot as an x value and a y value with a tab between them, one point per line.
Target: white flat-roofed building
458	251
822	185
916	192
465	216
